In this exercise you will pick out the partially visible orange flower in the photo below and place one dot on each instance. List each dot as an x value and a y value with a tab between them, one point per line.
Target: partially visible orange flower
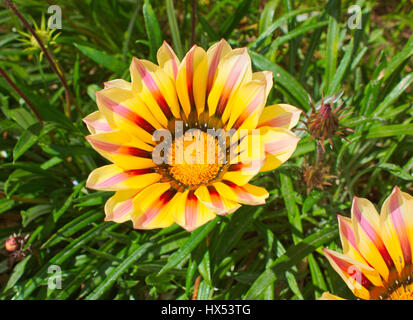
208	90
377	249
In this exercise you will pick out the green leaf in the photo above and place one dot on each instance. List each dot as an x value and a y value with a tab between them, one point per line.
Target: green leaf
399	58
342	69
62	256
23	117
107	283
269	31
232	22
35	212
6	205
389	130
173	25
316	276
72	227
104	59
333	34
284	79
290	258
196	237
28	138
18	271
153	29
394	94
293	213
233	232
396	171
267	15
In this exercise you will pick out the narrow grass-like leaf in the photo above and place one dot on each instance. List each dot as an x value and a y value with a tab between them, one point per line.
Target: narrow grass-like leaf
104	59
399	58
389	130
196	237
290	258
333	33
153	29
28	138
62	256
284	79
275	25
233	21
293	212
173	25
342	69
394	94
107	283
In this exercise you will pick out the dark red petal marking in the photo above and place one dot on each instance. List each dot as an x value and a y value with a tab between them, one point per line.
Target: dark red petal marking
373	235
190	76
249	110
400	227
191	210
122	176
156	207
127	114
240	191
215	198
353	271
213	67
125	150
229	86
153	88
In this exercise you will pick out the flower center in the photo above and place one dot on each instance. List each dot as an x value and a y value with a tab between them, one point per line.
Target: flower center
401	288
196	161
404	292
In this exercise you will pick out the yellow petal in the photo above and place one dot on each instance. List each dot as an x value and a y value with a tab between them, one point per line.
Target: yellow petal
279	115
355	274
369	242
156	88
124	150
215	54
241	173
329	296
189	212
120	207
246	105
125	111
153	206
118	83
192	80
348	239
168	60
113	178
233	69
247	194
395	225
96	123
280	144
265	76
210	197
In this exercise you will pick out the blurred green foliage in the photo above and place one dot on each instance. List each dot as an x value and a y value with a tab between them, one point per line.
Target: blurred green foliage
267	252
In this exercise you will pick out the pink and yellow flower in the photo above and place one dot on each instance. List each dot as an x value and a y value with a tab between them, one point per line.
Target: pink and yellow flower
376	262
213	89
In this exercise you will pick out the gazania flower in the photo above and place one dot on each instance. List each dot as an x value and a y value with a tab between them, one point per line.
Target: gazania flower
147	129
377	249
